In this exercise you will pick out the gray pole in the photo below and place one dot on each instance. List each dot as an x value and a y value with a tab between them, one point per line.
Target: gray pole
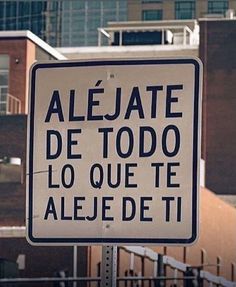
75	264
109	266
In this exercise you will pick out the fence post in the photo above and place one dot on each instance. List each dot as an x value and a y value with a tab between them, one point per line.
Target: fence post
160	271
203	257
142	269
233	268
218	265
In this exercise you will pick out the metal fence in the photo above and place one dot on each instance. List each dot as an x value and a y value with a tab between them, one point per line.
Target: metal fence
9	105
127	281
182	274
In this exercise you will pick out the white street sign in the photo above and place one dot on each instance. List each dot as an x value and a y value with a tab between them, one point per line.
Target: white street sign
114	151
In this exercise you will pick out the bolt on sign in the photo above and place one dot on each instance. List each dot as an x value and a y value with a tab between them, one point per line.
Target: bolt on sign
113	152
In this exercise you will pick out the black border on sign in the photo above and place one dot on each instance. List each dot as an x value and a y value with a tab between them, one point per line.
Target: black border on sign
196	151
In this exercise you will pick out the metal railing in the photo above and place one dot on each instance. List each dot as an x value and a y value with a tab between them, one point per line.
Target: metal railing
158	278
9	105
149	281
186	32
177	267
127	280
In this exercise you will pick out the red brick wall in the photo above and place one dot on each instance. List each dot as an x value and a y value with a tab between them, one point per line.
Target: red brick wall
24	51
217	51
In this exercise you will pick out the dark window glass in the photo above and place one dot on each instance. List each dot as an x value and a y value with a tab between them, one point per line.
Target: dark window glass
2	7
217	7
10	15
11	9
152	1
24	8
4	70
184	9
148	15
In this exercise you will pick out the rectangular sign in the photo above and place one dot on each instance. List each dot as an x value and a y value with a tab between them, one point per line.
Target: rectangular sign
114	151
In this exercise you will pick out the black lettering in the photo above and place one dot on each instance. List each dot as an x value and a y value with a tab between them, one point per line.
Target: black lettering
105	132
118	176
106	207
117	107
144	207
175	150
167	200
67	169
72	117
70	133
58	142
96	183
132	106
51	209
130	143
170	100
171	174
95	210
125	216
92	103
129	174
55	107
157	166
179	209
50	184
152	148
78	207
154	90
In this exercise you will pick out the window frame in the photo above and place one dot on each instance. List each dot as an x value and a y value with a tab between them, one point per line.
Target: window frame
146	11
179	9
213	10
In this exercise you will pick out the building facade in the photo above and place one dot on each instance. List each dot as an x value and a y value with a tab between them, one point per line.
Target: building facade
62	23
217	47
18	51
72	23
152	10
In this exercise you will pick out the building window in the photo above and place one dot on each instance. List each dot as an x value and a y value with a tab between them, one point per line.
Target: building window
184	9
80	20
152	1
4	69
217	7
149	15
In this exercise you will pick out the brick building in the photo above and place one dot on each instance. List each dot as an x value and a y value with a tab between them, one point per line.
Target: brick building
217	45
152	10
18	51
218	219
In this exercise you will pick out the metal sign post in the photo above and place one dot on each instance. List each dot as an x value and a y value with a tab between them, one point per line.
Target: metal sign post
109	266
75	263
